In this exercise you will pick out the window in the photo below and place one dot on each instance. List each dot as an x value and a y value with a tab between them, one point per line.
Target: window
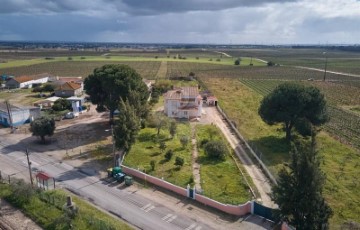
185	113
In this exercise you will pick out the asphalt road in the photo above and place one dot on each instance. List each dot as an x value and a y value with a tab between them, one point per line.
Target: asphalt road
140	211
135	209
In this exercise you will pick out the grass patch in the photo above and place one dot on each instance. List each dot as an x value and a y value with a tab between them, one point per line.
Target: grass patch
340	162
45	208
220	180
147	148
19	96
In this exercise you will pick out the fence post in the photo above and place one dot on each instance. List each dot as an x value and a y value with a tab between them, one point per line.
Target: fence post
0	177
9	178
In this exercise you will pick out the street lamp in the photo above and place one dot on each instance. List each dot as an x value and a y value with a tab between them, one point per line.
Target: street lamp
326	59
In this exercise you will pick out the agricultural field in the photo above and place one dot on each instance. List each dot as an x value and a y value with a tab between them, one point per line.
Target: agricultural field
146	69
344	124
337	60
241	103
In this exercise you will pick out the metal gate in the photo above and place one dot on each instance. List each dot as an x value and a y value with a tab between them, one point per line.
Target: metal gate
263	211
191	193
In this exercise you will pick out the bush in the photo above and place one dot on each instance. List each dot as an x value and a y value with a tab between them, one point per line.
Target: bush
169	154
61	105
37	89
203	142
179	161
218	59
270	63
152	164
237	62
48	88
70	58
21	192
216	150
184	140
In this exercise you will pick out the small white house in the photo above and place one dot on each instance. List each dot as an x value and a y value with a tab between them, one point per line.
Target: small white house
184	102
19	115
26	81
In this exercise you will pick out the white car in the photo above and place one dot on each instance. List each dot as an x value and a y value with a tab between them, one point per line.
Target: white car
71	115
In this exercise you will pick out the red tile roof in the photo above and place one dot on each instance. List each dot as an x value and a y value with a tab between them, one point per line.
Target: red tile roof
69	86
26	78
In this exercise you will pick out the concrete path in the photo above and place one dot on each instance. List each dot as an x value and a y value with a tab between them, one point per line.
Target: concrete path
195	164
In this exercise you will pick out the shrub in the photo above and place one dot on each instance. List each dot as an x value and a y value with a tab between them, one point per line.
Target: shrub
270	63
21	192
237	62
70	58
184	140
179	161
169	154
218	59
216	149
203	142
152	164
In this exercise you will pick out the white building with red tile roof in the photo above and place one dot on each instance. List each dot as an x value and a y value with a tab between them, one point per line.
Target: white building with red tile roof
68	89
184	102
27	81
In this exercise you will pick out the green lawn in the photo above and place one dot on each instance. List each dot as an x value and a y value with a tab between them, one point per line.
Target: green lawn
340	162
45	208
220	180
147	149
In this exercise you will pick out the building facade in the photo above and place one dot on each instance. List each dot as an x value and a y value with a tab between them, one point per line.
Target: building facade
26	81
19	115
184	102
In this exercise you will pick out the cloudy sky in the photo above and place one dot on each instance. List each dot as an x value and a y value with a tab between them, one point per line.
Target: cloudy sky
183	21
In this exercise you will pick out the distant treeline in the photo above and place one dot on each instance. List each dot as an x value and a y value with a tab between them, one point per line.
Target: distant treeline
351	48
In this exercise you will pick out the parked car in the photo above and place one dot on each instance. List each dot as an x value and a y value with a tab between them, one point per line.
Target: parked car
71	115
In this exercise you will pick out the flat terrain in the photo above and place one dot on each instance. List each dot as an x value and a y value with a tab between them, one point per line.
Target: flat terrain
239	90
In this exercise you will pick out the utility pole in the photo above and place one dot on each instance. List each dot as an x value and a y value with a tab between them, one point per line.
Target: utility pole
326	60
8	107
29	164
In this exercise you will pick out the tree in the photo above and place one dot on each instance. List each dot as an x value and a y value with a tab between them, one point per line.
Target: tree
237	61
127	126
299	190
162	146
184	140
48	88
172	128
110	83
294	105
61	105
216	149
42	126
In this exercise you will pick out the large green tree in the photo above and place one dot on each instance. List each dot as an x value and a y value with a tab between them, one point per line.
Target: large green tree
110	83
294	105
299	191
127	126
42	126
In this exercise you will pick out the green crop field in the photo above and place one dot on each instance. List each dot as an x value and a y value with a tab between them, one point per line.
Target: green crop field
241	103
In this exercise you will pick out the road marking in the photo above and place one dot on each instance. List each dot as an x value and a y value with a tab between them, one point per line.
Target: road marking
167	216
171	219
146	206
191	226
149	208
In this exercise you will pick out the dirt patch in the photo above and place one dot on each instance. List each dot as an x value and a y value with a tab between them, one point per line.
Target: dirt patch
13	219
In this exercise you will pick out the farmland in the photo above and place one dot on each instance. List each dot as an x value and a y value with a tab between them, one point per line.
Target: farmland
241	103
240	90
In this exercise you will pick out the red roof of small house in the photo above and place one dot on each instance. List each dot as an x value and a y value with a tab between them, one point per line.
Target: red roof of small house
68	86
43	176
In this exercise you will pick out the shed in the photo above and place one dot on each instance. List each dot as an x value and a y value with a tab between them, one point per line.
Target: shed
44	180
